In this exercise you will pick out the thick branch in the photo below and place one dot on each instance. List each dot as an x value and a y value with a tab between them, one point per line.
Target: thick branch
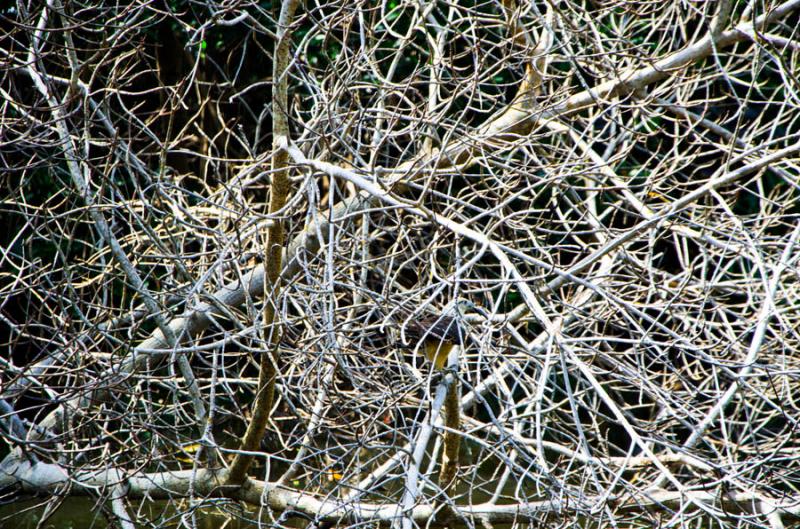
45	477
279	191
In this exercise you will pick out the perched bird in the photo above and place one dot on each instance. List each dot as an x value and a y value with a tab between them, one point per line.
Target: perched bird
436	335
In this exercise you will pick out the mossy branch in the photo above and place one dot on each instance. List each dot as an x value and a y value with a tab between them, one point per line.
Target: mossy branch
452	438
279	191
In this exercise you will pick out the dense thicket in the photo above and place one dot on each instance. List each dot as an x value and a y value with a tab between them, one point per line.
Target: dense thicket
221	216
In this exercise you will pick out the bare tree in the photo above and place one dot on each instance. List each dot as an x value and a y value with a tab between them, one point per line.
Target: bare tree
222	217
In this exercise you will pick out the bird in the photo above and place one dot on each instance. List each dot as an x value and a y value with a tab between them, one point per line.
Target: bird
436	335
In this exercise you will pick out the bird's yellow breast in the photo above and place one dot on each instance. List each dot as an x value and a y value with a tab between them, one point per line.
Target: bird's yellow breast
436	352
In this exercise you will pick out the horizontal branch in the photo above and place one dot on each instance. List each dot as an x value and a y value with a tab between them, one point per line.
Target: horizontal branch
52	478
